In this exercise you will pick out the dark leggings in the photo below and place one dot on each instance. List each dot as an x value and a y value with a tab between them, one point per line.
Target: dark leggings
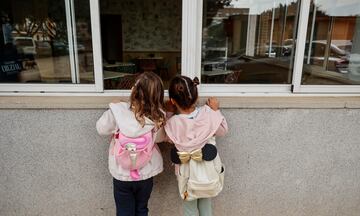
131	197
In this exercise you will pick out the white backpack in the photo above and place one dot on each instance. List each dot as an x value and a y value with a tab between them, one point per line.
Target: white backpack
200	179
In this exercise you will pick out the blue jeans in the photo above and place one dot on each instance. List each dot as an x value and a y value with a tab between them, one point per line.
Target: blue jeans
131	197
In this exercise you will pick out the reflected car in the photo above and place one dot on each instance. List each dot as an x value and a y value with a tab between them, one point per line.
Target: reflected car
25	46
278	50
354	64
43	48
80	47
338	59
60	48
235	60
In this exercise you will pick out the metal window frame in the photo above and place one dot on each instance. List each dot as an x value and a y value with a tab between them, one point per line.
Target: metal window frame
295	87
47	87
191	47
191	37
299	88
71	30
96	45
226	89
191	30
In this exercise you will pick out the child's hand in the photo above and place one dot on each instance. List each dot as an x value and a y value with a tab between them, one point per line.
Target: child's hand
169	107
213	103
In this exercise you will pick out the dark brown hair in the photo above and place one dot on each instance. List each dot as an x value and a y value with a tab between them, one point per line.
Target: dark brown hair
147	99
184	91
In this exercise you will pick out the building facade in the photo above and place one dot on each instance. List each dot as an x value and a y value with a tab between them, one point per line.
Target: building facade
286	72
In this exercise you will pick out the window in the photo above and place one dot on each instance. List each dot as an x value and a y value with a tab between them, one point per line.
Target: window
332	51
234	46
140	36
45	42
248	42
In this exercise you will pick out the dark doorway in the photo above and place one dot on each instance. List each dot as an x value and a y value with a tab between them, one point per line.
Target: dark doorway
111	38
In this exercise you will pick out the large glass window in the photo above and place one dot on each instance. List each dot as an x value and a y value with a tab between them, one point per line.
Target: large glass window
248	42
332	50
239	41
45	41
140	36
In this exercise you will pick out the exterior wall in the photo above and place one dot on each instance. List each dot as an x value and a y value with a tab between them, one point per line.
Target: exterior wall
278	162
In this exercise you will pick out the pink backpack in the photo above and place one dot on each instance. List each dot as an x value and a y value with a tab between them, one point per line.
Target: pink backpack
133	153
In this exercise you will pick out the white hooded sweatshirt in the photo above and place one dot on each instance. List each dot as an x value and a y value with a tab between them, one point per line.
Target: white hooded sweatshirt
119	116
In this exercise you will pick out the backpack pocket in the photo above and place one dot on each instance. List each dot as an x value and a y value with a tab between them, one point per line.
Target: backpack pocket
204	189
133	153
123	158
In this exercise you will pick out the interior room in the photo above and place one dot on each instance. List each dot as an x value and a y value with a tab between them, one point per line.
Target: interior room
139	36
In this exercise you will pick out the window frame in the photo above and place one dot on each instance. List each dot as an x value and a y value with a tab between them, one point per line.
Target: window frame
191	45
295	87
235	89
299	61
70	87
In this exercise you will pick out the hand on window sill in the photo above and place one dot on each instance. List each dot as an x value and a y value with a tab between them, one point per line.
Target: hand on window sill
213	103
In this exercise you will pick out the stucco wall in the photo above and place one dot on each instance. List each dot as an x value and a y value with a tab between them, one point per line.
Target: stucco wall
278	161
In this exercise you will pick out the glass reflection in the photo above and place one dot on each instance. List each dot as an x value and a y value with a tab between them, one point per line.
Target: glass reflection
249	42
332	51
35	42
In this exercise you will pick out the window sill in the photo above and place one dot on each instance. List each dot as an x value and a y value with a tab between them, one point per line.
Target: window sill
245	101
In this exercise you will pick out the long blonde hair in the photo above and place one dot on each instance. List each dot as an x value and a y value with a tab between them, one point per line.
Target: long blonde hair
147	99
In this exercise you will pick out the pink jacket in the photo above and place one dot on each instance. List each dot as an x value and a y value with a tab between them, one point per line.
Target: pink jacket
189	134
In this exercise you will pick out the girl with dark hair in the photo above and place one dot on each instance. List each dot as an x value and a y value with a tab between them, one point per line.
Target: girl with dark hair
198	167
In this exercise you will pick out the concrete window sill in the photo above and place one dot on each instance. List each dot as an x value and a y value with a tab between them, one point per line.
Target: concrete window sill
253	102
